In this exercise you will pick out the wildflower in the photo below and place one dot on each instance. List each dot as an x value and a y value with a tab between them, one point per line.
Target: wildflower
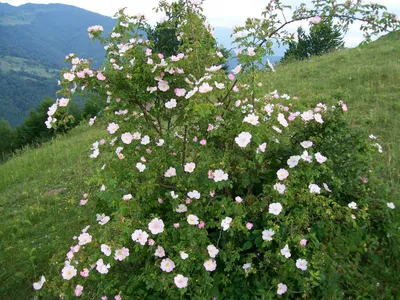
145	140
219	175
281	188
314	188
250	51
282	174
192	220
84	273
171	172
160	252
38	285
170	104
285	251
180	280
212	251
247	268
194	194
102	219
189	167
226	223
237	69
210	265
163	86
63	102
112	127
78	290
140	236
243	139
105	249
156	226
268	234
121	254
315	20
101	267
127	138
84	239
293	161
127	197
141	167
282	288
275	208
180	92
320	158
352	205
167	265
282	120
251	119
301	264
68	272
181	208
306	144
391	205
261	148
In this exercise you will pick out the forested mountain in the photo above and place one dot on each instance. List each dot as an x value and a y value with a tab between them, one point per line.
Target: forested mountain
34	40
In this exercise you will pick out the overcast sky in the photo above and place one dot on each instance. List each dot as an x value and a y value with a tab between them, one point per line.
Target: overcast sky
222	13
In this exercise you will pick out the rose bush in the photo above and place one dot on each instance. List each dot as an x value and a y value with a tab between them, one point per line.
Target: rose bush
211	186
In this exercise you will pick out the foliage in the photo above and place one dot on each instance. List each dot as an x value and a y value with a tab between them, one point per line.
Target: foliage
6	140
323	38
370	89
20	92
33	130
248	194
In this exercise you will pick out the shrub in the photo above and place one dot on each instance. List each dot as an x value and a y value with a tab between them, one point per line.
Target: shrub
323	38
212	187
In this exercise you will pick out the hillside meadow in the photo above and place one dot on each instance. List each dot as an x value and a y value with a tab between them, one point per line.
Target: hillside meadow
40	188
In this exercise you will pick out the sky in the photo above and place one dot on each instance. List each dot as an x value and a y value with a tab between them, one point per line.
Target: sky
221	13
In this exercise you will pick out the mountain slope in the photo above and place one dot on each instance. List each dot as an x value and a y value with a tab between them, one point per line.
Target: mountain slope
34	40
366	78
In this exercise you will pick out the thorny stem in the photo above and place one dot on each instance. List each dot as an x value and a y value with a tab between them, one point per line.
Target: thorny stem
227	95
148	118
219	238
184	146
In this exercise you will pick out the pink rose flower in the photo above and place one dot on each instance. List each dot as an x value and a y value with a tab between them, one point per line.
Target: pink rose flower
84	272
303	242
78	290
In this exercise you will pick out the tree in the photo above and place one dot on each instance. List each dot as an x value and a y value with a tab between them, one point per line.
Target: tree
6	139
323	38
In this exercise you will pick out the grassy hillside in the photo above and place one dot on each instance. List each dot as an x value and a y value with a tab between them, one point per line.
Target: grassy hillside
40	188
39	194
366	78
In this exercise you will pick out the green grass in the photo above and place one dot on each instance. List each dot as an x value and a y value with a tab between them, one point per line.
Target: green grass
39	194
13	63
40	188
367	79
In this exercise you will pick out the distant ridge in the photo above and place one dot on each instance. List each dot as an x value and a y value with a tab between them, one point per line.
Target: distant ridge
34	39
